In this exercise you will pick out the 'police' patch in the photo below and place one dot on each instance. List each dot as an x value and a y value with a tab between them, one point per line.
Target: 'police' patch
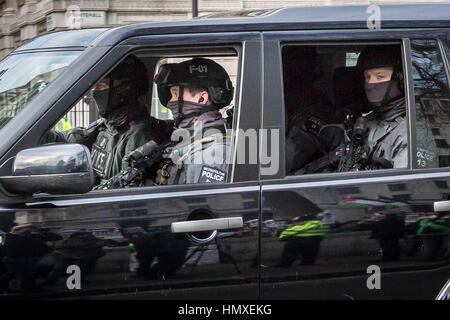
209	174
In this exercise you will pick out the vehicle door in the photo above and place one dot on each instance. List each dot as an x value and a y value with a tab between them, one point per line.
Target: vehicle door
123	241
367	234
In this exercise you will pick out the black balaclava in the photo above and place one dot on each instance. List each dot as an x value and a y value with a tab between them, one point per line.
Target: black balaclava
185	113
114	98
120	104
382	93
101	98
386	97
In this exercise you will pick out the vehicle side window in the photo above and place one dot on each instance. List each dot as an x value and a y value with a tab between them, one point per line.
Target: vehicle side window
345	108
432	101
80	115
130	120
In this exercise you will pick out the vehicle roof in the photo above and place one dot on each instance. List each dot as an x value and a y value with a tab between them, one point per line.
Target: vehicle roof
417	15
63	39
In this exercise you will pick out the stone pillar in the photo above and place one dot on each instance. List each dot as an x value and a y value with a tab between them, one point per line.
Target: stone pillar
9	17
9	14
31	5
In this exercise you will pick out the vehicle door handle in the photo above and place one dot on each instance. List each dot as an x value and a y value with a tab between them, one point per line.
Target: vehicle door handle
207	225
442	206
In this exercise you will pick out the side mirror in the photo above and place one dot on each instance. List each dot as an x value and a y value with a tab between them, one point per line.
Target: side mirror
54	169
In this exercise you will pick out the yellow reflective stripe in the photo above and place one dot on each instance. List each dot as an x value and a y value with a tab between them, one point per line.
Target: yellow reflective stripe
308	229
66	124
63	125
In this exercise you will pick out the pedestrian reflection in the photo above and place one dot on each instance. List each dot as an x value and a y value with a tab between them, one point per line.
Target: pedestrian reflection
81	248
159	253
22	249
303	238
388	230
434	233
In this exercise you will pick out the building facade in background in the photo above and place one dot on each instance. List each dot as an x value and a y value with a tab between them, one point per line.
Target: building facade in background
23	20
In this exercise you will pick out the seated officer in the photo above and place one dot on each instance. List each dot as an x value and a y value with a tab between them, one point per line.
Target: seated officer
386	127
195	90
124	125
378	139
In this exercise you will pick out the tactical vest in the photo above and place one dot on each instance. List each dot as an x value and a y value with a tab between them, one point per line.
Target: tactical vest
112	145
187	165
387	142
103	151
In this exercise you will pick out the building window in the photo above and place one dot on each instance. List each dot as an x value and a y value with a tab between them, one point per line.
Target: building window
397	187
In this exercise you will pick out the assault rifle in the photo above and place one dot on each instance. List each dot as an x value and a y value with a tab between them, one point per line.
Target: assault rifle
139	160
355	153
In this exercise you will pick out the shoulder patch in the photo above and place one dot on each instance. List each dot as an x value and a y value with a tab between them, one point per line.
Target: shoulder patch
209	174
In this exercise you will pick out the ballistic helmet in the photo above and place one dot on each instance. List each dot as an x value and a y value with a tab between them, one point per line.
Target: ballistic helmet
134	70
197	72
380	56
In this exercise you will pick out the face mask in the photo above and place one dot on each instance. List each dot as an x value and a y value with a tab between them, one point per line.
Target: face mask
188	107
122	95
101	99
376	92
193	112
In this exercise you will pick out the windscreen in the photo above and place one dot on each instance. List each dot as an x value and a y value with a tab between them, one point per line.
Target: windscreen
24	76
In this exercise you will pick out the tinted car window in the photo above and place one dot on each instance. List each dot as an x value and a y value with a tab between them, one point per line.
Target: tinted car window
331	126
135	116
432	101
23	76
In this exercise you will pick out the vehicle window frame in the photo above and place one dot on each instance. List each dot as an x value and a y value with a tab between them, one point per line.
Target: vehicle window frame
369	173
109	194
177	52
444	57
197	51
446	64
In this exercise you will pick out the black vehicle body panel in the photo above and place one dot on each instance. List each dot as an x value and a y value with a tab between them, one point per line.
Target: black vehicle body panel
239	264
346	253
174	262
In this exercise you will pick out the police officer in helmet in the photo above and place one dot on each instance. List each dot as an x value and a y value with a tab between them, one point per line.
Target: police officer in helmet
386	125
123	127
194	91
118	98
377	139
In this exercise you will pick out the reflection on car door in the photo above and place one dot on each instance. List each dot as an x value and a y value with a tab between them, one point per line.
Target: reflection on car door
123	244
356	235
363	222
